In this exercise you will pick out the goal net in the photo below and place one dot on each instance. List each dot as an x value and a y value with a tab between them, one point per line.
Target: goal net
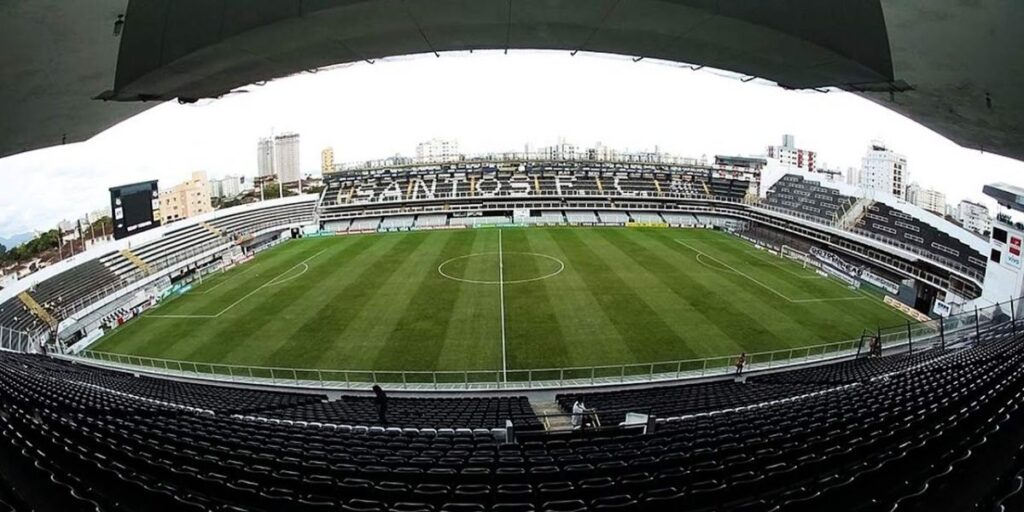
801	257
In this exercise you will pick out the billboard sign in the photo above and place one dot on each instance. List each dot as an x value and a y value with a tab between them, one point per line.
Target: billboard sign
1013	252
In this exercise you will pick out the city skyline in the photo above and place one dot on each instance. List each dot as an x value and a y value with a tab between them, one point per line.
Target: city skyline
366	112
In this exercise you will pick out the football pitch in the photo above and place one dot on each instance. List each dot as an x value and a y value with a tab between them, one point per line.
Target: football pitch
494	299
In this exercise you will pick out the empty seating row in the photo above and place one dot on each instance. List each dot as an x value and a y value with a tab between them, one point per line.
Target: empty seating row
534	179
794	193
940	435
417	412
892	223
59	295
148	391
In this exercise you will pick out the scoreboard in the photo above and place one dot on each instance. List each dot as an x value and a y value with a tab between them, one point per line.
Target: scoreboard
134	208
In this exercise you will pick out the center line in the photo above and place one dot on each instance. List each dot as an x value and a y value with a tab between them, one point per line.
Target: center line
501	291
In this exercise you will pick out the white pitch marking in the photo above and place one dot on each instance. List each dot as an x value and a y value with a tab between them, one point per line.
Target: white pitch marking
440	268
784	269
769	288
204	292
272	282
240	274
501	290
702	262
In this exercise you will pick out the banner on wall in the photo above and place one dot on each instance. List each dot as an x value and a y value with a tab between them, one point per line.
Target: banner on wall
880	282
1013	252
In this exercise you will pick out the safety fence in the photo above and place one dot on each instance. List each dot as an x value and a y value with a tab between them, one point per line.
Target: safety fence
17	341
945	332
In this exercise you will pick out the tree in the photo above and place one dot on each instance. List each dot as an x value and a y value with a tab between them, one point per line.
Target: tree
3	252
273	191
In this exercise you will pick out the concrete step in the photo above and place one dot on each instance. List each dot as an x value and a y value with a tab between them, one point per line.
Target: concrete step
542	409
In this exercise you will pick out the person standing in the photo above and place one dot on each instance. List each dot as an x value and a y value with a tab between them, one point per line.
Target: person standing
741	361
579	414
380	399
876	346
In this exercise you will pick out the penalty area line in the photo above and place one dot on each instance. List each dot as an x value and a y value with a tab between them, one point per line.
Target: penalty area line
272	282
759	283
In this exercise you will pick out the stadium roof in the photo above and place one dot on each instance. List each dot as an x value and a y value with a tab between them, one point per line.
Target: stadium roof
954	66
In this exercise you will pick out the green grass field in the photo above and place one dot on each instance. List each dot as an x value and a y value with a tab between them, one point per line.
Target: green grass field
434	301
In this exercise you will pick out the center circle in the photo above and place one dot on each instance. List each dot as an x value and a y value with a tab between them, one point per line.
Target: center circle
558	267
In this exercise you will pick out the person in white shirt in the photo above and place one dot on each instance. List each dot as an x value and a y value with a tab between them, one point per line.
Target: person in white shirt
578	412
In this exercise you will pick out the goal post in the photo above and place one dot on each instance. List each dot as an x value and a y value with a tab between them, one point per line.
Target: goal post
795	255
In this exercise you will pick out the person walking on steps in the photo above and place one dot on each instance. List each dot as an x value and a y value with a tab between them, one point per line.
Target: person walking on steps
380	399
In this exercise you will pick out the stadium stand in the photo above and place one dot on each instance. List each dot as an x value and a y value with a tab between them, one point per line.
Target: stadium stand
647	217
613	217
680	219
936	433
885	221
56	292
198	396
222	230
848	372
370	224
248	221
547	217
432	220
694	398
792	192
397	222
679	400
564	179
581	217
339	226
69	291
479	221
417	412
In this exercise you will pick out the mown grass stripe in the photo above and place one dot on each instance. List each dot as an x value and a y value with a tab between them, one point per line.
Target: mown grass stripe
533	327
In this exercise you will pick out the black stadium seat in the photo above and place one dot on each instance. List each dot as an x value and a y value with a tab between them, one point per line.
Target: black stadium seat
936	430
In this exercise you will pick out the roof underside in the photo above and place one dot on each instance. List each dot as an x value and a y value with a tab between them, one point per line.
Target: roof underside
952	65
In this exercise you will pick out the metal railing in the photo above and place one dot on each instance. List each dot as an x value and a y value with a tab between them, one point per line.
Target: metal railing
953	264
17	341
909	336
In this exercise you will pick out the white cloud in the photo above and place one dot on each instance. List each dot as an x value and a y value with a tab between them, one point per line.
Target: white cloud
489	101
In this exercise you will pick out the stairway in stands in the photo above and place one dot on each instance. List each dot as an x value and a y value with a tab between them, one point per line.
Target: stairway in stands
551	415
853	215
209	227
137	261
37	309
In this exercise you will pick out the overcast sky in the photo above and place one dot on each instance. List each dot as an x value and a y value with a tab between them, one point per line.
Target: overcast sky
489	102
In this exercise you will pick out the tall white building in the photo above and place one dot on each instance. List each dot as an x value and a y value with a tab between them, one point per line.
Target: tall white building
973	216
601	153
561	151
438	150
227	187
931	200
853	176
884	170
265	157
788	155
286	157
